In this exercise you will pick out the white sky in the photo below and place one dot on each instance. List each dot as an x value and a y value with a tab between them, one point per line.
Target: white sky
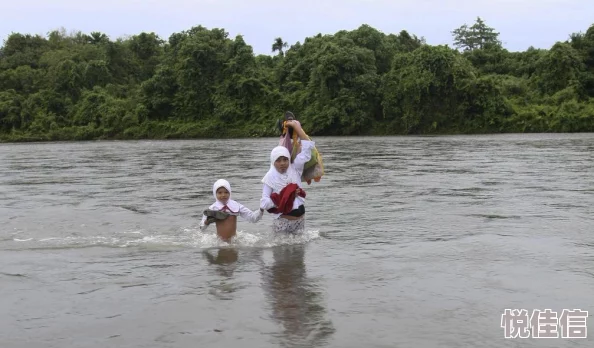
522	23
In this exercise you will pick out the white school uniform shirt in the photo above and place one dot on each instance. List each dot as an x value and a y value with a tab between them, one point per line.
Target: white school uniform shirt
232	207
235	209
274	181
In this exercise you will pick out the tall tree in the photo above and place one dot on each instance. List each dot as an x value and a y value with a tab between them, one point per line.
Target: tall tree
478	36
279	45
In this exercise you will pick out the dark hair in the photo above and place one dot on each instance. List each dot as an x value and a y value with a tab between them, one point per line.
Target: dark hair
289	116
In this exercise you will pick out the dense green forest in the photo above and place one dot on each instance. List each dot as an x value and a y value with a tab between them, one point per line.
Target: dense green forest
201	83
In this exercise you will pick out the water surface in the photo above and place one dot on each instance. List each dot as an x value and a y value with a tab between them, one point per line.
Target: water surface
410	242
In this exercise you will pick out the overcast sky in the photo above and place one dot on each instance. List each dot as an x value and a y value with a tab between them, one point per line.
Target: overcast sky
522	23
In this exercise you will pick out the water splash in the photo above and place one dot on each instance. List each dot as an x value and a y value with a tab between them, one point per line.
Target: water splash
185	238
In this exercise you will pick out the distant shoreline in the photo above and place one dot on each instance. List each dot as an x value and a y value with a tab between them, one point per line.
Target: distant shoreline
202	84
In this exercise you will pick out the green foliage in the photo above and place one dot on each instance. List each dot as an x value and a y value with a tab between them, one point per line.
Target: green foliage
559	68
201	83
426	88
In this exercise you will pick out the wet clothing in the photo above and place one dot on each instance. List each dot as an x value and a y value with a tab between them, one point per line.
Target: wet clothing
220	211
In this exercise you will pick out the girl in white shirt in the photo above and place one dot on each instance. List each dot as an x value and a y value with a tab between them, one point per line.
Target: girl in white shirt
282	173
224	212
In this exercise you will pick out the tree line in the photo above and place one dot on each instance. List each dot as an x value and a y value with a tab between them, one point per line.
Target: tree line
201	83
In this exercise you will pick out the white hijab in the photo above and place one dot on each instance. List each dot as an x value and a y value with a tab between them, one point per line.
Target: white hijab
275	179
218	205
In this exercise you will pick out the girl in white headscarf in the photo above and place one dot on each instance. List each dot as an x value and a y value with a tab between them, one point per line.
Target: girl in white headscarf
224	211
282	173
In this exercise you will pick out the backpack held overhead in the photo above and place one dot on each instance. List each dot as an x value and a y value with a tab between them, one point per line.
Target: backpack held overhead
314	168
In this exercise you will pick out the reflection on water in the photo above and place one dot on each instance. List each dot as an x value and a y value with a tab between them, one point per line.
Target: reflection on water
225	263
295	300
225	256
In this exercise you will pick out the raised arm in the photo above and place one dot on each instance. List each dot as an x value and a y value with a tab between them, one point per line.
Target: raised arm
303	156
306	145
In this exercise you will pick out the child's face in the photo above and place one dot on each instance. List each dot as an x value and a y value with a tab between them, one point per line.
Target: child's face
281	164
222	194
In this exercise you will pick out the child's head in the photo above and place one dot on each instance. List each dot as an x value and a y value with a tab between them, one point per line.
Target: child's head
221	190
279	159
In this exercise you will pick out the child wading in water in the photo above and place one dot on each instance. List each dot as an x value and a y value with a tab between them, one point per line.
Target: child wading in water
282	195
224	212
